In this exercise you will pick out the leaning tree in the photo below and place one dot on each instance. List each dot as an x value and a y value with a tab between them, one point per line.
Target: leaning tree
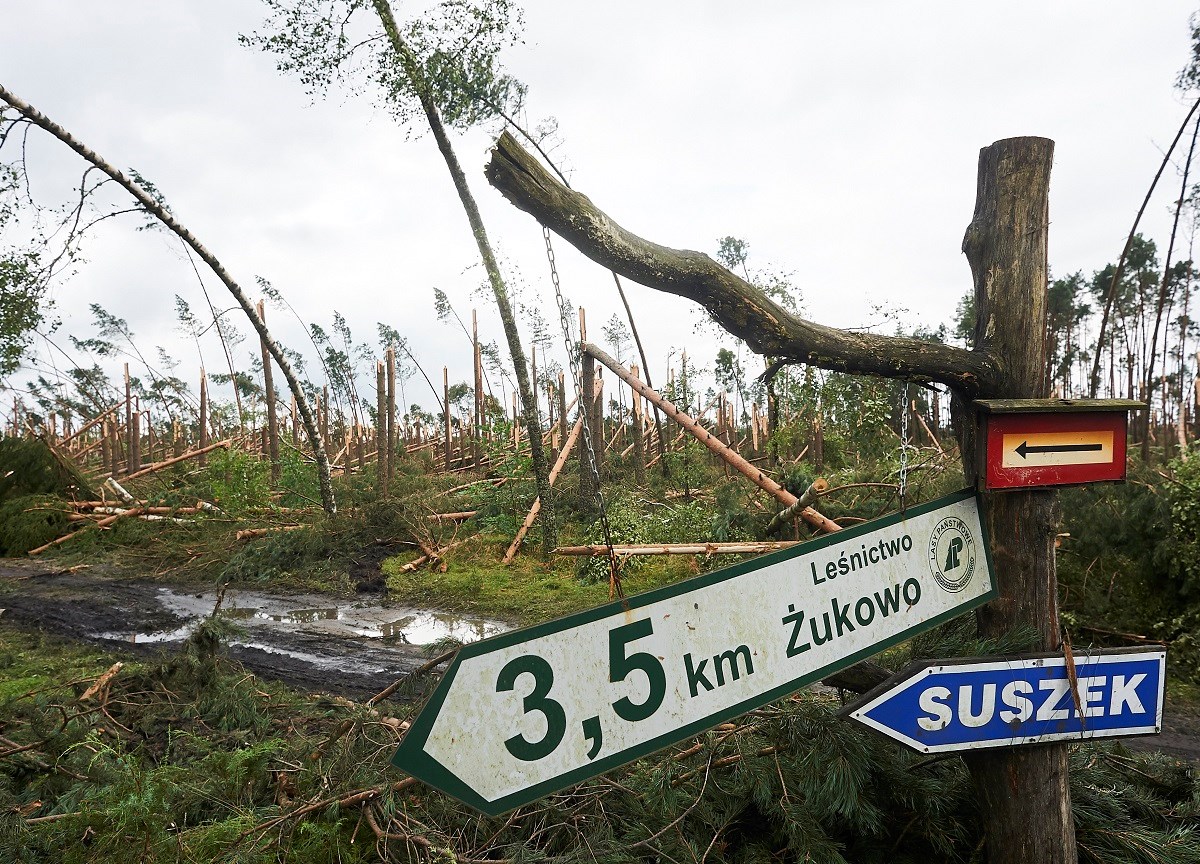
1024	792
154	206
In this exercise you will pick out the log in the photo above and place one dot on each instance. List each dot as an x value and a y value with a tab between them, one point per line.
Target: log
250	533
167	463
622	549
734	459
451	517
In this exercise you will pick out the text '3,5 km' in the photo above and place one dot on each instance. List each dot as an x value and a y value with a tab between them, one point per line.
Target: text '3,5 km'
532	711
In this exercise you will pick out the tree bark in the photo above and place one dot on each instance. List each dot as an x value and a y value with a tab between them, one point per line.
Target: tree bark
269	397
739	307
1024	791
412	68
160	212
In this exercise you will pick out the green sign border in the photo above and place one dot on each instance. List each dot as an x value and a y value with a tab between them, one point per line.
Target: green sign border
412	758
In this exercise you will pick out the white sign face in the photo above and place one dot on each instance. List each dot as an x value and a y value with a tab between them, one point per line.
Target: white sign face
531	711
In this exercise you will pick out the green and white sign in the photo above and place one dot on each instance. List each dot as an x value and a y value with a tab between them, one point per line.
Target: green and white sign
532	711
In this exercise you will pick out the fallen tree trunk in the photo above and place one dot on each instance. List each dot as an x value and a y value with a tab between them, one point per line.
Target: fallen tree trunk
621	549
728	454
167	463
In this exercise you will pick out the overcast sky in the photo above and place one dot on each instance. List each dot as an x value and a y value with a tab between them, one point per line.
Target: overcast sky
839	139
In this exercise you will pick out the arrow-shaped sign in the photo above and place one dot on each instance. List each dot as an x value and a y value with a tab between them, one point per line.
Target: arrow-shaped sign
528	712
1049	449
979	703
1026	448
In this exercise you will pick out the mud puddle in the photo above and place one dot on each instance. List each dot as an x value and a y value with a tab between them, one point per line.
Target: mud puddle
260	613
352	647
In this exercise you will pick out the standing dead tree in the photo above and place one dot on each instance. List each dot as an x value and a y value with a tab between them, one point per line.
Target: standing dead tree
1026	795
156	208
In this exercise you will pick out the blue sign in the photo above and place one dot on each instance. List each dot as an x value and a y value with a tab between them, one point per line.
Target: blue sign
977	703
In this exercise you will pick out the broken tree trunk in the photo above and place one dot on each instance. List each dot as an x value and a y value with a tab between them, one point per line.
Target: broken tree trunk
735	461
167	463
1024	792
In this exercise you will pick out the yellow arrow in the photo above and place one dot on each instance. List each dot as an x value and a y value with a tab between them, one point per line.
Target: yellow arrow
1040	449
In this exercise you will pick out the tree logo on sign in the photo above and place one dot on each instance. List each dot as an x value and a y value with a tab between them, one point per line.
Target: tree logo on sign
952	554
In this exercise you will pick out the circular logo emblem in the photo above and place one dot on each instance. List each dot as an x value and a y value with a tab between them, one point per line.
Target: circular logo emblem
952	554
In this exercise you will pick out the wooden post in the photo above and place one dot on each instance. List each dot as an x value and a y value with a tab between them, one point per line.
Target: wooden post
478	419
597	421
1024	794
106	459
587	479
269	395
135	435
390	359
639	444
381	474
128	422
446	413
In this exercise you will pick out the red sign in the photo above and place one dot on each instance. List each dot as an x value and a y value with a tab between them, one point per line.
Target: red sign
1054	449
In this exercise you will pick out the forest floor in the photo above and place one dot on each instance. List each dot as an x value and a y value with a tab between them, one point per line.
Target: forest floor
352	647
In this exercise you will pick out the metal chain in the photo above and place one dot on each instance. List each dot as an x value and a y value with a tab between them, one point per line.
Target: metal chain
904	445
584	411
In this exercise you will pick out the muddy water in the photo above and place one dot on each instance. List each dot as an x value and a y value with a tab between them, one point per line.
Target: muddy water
317	615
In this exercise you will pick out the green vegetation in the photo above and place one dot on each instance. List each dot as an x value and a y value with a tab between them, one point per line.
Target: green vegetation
190	758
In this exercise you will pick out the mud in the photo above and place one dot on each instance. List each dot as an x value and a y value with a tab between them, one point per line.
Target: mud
350	647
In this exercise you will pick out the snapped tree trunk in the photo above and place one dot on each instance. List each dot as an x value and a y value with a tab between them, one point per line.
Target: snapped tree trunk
1023	791
508	320
160	212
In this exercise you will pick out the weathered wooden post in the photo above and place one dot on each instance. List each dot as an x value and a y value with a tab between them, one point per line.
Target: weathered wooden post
1024	792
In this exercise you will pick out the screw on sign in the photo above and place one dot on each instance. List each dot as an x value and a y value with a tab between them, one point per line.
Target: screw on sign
1032	443
975	703
530	712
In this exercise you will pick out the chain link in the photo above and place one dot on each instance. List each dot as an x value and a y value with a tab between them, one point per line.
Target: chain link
573	350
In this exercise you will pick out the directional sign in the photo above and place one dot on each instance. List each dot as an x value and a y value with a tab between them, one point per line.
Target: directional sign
1054	448
977	703
532	711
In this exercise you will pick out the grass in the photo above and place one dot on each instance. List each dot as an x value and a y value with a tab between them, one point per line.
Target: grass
527	592
192	759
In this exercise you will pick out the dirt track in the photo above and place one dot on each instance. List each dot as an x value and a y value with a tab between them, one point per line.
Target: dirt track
297	640
306	649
